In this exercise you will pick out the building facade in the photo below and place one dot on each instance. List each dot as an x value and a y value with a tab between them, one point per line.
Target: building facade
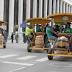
16	11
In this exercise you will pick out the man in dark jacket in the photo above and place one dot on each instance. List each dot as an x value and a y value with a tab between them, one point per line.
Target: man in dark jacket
12	37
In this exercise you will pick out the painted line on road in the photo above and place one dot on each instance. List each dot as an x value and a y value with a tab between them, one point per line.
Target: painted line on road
26	57
7	56
42	59
16	63
70	65
17	69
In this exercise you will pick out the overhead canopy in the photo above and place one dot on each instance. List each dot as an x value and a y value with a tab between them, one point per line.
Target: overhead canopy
38	20
60	18
2	22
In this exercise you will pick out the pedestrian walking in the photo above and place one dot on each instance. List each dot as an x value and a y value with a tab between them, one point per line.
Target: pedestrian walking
16	36
24	37
12	37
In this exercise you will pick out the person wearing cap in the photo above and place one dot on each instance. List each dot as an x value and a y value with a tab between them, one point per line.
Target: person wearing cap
50	35
38	28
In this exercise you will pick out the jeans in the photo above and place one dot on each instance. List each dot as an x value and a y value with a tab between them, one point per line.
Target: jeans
28	39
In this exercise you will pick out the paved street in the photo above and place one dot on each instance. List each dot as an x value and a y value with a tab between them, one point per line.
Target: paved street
15	58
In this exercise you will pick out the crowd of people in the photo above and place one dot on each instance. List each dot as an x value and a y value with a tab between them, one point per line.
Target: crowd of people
50	32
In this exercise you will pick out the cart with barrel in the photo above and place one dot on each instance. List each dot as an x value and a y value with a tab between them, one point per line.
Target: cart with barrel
37	42
63	44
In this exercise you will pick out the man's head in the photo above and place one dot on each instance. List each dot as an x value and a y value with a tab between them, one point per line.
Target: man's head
68	25
47	25
29	25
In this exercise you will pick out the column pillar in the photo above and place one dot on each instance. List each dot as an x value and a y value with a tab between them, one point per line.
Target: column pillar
34	8
71	9
40	8
1	8
57	6
61	7
67	8
20	18
45	8
54	6
64	8
11	17
50	9
50	6
27	9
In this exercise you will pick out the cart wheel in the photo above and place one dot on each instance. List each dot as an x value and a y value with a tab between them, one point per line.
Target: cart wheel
50	57
28	48
4	46
50	51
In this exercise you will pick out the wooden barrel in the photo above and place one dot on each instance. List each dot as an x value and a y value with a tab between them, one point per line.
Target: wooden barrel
39	41
39	46
62	44
1	41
